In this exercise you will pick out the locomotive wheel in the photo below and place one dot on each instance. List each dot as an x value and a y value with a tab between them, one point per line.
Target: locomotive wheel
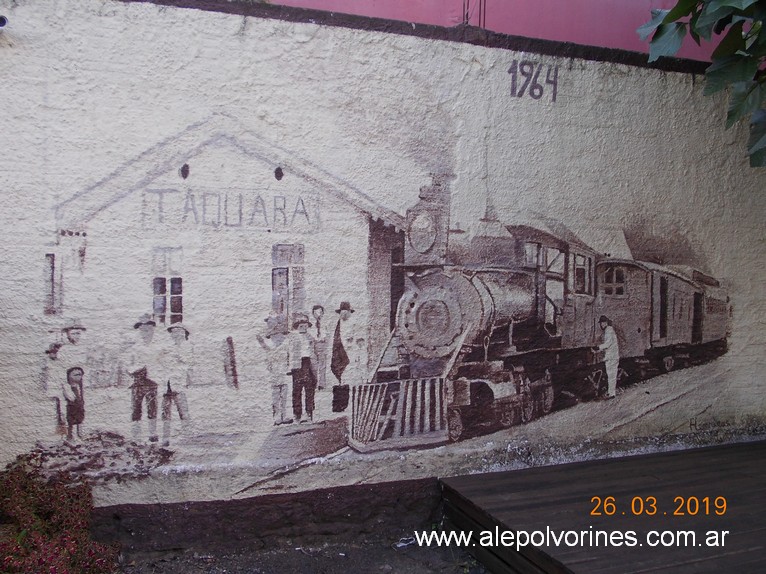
627	377
527	406
668	363
593	382
546	396
507	415
455	424
546	399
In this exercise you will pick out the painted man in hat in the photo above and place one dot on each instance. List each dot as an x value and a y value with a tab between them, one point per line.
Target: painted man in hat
71	352
75	402
301	368
65	356
178	369
278	364
320	346
144	365
341	338
611	349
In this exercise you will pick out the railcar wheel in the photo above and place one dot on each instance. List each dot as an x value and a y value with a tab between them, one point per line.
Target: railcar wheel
593	383
546	396
527	404
668	363
455	424
507	415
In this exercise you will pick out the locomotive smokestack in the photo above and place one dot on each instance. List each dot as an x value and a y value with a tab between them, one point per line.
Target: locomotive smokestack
428	224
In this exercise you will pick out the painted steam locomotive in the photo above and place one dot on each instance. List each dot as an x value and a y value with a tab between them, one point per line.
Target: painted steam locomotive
502	328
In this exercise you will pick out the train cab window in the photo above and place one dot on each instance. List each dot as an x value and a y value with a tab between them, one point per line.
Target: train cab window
532	255
554	261
614	281
583	273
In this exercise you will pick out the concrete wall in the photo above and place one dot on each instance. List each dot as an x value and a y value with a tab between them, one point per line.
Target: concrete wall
103	103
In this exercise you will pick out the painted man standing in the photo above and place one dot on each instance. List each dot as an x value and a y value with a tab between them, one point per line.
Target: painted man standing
65	356
342	336
320	347
75	401
611	349
278	364
304	378
178	369
143	366
180	357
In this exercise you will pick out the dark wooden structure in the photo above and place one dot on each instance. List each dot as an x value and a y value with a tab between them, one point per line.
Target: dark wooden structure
663	496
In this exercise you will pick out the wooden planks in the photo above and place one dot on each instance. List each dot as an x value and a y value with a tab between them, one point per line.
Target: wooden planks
560	498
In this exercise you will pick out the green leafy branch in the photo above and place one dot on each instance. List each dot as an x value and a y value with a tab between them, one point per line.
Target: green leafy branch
737	62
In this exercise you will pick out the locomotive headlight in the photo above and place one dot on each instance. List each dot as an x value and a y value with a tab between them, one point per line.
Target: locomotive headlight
433	317
421	232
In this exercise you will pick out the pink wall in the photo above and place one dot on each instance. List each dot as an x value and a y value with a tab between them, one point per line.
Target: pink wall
606	23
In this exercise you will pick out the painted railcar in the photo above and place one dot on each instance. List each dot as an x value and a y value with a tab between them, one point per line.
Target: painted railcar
665	317
502	327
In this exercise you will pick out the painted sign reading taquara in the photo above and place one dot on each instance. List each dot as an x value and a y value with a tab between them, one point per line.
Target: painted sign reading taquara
246	209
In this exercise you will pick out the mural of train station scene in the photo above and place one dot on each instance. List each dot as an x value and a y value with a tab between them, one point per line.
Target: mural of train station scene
332	269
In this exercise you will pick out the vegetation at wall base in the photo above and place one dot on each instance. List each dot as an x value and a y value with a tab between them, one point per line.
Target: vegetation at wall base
737	61
44	524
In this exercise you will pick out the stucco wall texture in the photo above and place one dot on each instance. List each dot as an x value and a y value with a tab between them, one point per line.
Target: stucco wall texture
101	96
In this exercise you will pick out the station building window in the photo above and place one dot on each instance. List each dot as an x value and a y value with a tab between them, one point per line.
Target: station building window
614	281
167	285
287	284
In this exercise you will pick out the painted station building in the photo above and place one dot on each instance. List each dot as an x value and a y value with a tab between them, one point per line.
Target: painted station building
217	228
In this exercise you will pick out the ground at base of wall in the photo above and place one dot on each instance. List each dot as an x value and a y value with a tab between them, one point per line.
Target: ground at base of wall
379	556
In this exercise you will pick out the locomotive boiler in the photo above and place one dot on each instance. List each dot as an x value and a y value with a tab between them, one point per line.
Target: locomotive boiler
501	327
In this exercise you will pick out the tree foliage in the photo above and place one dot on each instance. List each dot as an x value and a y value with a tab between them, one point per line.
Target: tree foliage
737	61
44	524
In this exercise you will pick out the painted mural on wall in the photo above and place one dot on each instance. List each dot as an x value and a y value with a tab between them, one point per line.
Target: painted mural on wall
479	332
359	272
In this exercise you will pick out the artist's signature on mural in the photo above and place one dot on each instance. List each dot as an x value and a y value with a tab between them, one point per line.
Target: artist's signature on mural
531	82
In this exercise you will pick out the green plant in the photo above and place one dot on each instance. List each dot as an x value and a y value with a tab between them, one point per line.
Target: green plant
737	61
46	524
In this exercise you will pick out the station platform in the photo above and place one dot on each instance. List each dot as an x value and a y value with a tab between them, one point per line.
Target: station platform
691	511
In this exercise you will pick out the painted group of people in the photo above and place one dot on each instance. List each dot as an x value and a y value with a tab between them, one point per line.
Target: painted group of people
152	363
297	359
147	362
297	356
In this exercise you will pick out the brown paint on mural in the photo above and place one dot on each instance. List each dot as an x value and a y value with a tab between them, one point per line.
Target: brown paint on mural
230	365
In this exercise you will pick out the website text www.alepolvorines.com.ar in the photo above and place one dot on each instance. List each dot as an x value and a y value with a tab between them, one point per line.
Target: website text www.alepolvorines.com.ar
558	538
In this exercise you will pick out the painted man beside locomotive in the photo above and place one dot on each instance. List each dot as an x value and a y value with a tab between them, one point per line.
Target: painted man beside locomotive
611	348
503	328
